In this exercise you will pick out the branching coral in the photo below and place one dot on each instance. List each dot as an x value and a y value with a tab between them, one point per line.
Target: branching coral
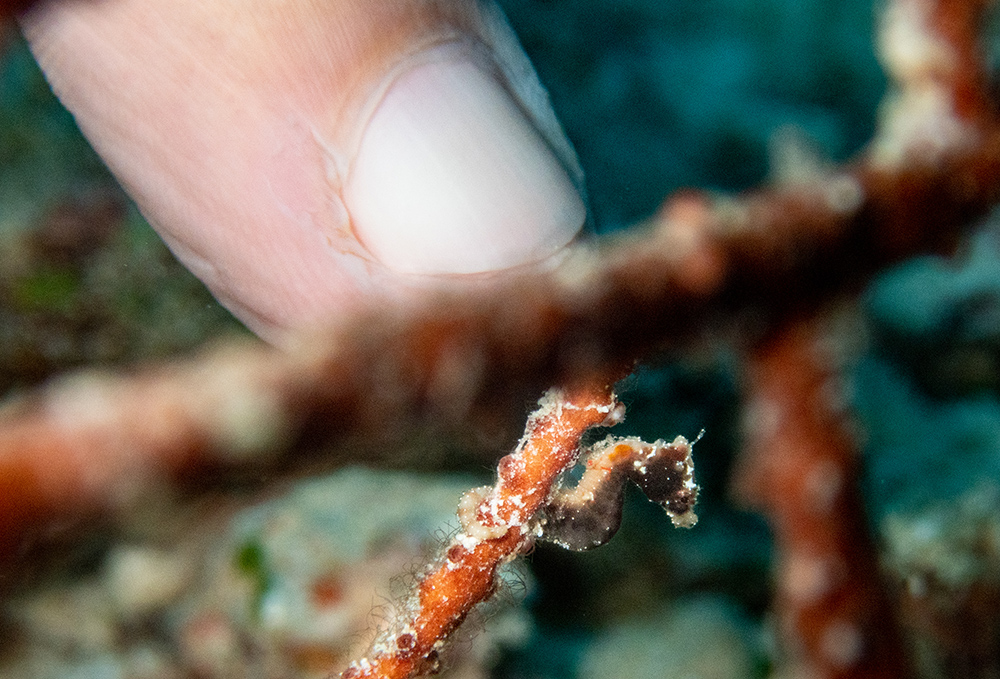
499	523
774	254
800	470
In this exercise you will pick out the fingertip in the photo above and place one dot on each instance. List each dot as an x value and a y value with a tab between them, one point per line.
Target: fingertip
451	176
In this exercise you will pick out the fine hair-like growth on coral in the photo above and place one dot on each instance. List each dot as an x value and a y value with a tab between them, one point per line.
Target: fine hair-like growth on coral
528	503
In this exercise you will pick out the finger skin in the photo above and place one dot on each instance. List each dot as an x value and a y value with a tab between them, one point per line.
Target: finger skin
233	123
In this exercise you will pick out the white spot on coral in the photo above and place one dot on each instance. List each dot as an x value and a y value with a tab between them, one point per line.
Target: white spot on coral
842	643
468	515
616	414
843	193
908	47
806	578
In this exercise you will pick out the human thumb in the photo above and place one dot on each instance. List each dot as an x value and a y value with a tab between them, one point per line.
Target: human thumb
305	158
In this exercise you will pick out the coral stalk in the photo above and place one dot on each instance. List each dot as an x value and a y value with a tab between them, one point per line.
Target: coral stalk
496	527
800	470
527	502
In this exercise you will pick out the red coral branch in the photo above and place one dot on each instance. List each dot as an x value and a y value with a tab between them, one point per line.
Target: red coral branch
527	502
496	527
800	469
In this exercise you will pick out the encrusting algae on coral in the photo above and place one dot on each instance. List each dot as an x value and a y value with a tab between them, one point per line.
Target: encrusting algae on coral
528	502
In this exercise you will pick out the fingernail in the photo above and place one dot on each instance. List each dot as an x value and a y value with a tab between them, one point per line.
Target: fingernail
451	177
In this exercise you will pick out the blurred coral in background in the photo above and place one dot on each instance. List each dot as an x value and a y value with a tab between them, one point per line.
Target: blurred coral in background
155	517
